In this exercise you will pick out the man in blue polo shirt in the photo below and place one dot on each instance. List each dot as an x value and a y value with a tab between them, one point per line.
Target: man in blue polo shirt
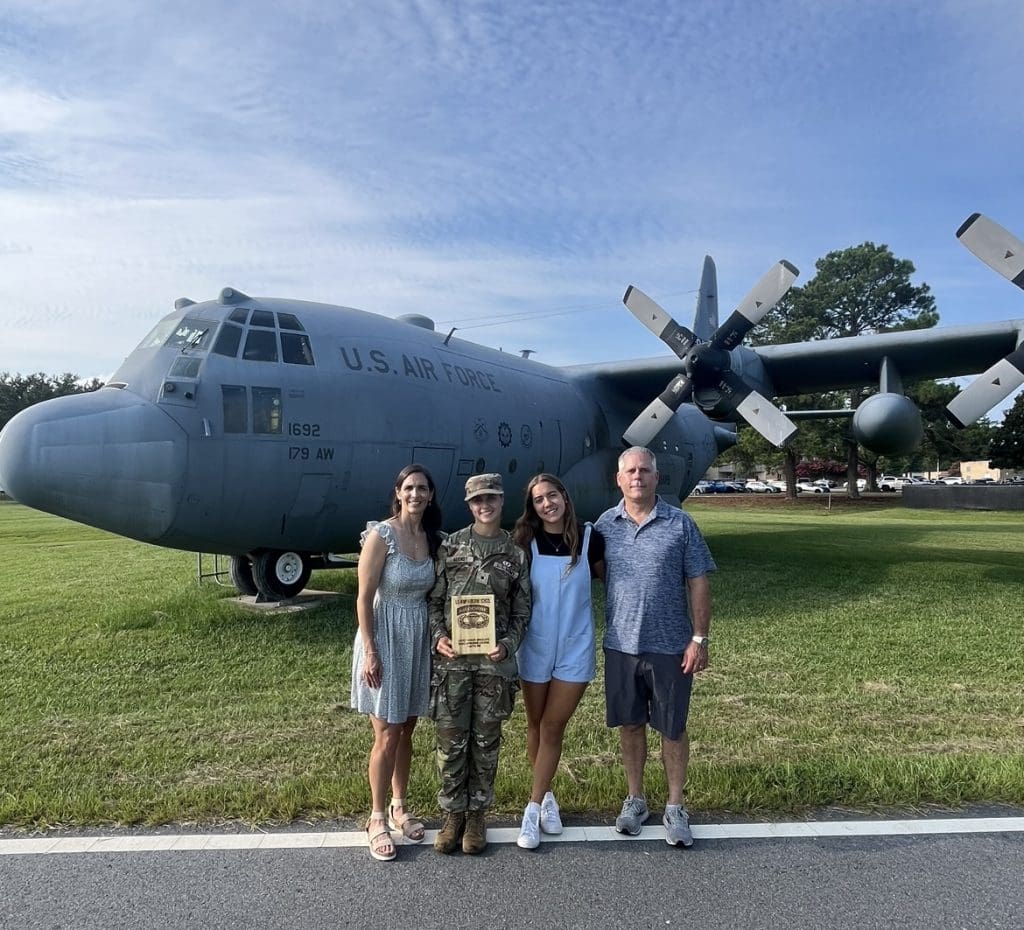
658	615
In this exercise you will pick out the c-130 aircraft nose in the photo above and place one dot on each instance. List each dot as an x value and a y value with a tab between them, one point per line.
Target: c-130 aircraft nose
108	459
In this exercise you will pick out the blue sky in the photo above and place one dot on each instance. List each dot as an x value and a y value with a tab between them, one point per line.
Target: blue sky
488	161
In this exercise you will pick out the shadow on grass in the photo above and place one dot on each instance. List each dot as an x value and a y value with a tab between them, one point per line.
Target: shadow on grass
205	613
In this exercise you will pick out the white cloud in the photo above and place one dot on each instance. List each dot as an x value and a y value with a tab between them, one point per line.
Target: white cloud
25	111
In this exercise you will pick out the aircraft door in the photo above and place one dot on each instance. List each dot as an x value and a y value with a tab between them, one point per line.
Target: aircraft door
307	511
438	461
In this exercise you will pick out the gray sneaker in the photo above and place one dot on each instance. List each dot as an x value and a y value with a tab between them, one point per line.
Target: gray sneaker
677	827
634	814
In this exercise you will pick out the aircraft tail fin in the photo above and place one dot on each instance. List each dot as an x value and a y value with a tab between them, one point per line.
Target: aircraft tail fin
705	317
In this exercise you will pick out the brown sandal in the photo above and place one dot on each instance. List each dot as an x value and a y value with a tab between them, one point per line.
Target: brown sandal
411	827
380	841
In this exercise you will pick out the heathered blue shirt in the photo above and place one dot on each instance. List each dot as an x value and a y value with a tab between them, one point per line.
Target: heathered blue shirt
646	568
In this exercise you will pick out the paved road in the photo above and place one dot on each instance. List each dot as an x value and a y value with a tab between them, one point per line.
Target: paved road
950	881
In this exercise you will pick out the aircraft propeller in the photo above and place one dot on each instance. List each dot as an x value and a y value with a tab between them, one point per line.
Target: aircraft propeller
708	364
1002	251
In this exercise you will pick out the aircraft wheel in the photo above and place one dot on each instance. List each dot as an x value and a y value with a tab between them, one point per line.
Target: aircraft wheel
279	575
240	573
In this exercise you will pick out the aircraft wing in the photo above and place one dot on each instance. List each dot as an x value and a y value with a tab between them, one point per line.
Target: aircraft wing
634	380
832	364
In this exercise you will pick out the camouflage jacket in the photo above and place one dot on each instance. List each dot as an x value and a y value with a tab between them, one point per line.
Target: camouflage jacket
471	564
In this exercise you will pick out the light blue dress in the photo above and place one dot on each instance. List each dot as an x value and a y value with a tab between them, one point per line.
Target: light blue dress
401	635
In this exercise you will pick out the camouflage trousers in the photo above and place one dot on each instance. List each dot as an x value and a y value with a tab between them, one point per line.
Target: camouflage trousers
469	707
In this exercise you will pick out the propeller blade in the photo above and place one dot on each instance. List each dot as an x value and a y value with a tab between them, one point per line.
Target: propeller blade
658	412
758	411
995	246
764	295
767	419
987	390
677	338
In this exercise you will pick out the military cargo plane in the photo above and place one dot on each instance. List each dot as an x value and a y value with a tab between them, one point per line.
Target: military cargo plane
269	430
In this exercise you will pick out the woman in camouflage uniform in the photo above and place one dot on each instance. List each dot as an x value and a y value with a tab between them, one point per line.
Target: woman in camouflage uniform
471	695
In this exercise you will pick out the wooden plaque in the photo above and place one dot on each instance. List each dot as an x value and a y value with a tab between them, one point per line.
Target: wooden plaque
473	624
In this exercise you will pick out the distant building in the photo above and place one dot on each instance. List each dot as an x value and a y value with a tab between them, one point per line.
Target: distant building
972	471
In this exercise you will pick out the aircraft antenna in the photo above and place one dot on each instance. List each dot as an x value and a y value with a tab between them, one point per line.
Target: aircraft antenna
526	353
451	332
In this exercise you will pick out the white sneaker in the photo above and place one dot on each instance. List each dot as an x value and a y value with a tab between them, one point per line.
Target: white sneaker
550	817
529	833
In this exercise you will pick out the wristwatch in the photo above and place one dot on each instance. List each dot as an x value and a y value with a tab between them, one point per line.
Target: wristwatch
701	641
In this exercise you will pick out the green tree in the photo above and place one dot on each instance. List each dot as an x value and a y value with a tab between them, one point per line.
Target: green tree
750	450
943	444
855	291
817	439
20	391
1007	449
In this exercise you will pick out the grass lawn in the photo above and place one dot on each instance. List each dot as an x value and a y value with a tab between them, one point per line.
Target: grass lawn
865	657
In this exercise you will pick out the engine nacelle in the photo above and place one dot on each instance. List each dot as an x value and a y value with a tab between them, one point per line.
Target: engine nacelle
889	424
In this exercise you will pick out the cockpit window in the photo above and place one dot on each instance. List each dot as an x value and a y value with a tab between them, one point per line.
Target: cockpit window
158	335
254	332
236	408
190	334
261	346
228	340
186	366
295	349
266	410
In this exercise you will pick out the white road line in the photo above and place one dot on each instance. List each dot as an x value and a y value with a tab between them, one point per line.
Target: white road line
203	842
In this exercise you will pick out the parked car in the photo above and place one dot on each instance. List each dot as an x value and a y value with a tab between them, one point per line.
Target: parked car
952	479
761	487
890	483
811	487
862	485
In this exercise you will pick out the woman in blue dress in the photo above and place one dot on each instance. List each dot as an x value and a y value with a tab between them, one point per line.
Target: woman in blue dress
391	654
556	658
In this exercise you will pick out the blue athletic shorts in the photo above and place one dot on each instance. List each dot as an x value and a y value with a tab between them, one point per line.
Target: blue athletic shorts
648	688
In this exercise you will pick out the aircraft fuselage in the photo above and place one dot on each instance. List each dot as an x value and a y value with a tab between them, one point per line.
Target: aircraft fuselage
240	425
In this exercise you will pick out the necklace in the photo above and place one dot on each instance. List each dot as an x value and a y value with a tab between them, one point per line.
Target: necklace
557	542
413	544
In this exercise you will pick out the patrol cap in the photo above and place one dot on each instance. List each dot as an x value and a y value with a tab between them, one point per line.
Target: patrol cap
483	484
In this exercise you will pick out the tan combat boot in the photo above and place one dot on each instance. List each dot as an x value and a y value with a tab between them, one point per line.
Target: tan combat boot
447	839
474	840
